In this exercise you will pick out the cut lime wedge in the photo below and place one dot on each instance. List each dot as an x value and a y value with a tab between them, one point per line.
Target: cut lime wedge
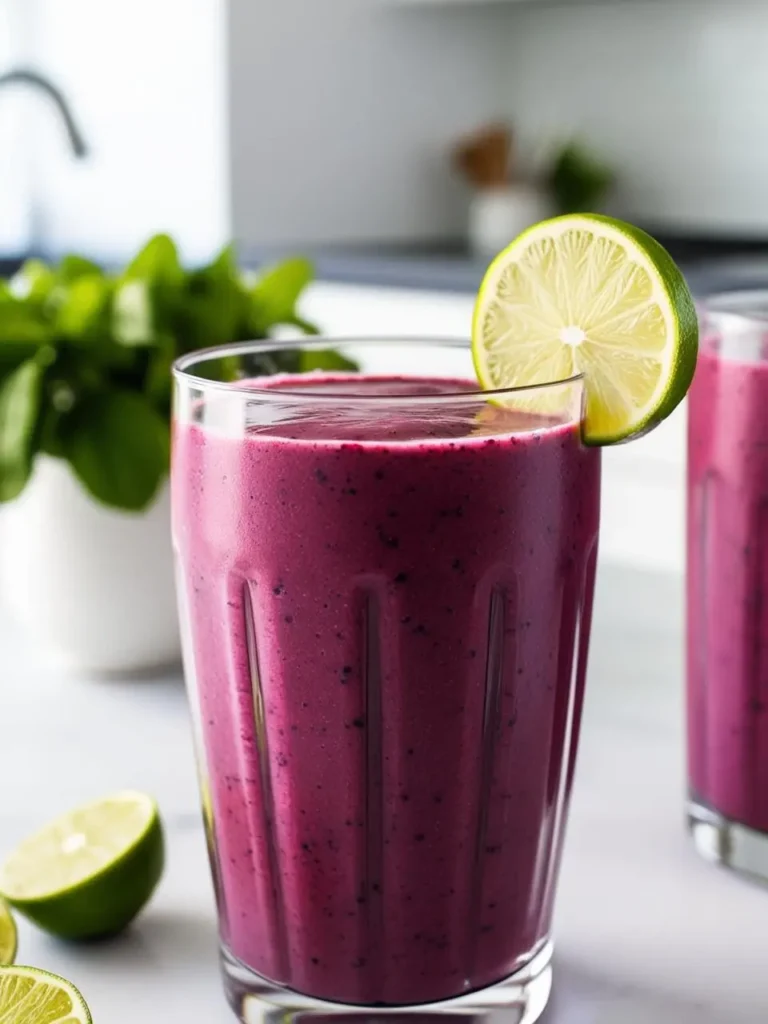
29	996
588	294
90	872
7	935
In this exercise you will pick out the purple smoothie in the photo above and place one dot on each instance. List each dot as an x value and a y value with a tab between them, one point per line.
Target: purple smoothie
727	594
389	627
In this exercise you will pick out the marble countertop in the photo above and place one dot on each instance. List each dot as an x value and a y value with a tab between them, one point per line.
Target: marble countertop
645	931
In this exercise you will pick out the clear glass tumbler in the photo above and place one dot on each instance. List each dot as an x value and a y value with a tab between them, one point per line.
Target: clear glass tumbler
385	579
727	584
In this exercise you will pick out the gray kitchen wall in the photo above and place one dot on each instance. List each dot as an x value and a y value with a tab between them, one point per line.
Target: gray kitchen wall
674	92
342	113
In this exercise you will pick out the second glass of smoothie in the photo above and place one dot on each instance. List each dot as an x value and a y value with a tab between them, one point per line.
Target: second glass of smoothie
385	581
727	580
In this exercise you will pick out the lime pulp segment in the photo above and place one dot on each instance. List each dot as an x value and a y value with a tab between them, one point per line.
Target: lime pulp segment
30	996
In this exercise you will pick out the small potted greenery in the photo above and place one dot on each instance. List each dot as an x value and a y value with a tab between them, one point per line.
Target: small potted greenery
85	397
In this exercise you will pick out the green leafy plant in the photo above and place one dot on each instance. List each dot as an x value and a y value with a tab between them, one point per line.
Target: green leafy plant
579	181
85	359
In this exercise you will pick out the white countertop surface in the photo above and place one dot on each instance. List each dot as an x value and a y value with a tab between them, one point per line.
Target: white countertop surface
645	932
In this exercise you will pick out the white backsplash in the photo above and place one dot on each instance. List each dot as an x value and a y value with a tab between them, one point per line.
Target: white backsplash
15	207
673	92
146	81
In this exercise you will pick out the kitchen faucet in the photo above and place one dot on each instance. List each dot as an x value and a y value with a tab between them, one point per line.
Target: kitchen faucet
23	76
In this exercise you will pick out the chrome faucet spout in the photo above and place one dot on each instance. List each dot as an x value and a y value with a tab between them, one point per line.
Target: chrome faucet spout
34	80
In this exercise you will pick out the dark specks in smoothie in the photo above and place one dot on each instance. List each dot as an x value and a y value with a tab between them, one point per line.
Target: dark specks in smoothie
278	590
420	629
282	760
306	847
388	539
437	798
457	565
472	652
402	577
320	476
410	751
288	619
315	960
379	474
493	848
359	723
419	837
405	620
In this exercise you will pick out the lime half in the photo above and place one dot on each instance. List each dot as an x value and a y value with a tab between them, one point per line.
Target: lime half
29	996
588	294
90	872
7	936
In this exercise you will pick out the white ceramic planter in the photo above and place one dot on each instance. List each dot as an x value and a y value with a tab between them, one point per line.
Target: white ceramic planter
93	586
498	216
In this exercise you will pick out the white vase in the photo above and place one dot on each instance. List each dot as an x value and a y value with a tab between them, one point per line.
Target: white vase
498	215
93	586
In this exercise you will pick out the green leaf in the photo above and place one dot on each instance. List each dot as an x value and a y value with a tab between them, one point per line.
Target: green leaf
158	380
23	333
19	411
157	262
325	359
82	308
118	446
212	305
275	294
578	180
73	267
34	281
133	319
304	325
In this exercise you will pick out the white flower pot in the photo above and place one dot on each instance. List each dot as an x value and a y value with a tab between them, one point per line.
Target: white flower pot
93	586
497	216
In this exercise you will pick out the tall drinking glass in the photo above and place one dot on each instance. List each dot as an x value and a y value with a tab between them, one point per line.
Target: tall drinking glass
385	582
728	585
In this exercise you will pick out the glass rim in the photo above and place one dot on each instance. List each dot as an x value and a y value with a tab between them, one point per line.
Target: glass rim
182	366
746	307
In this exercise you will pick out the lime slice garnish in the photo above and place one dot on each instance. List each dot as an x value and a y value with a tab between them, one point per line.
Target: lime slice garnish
7	935
90	872
28	996
588	294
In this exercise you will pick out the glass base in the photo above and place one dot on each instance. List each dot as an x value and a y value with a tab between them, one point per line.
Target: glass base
726	842
519	999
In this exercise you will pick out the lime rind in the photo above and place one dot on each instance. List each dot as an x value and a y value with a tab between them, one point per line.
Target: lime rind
606	274
89	873
28	872
55	995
